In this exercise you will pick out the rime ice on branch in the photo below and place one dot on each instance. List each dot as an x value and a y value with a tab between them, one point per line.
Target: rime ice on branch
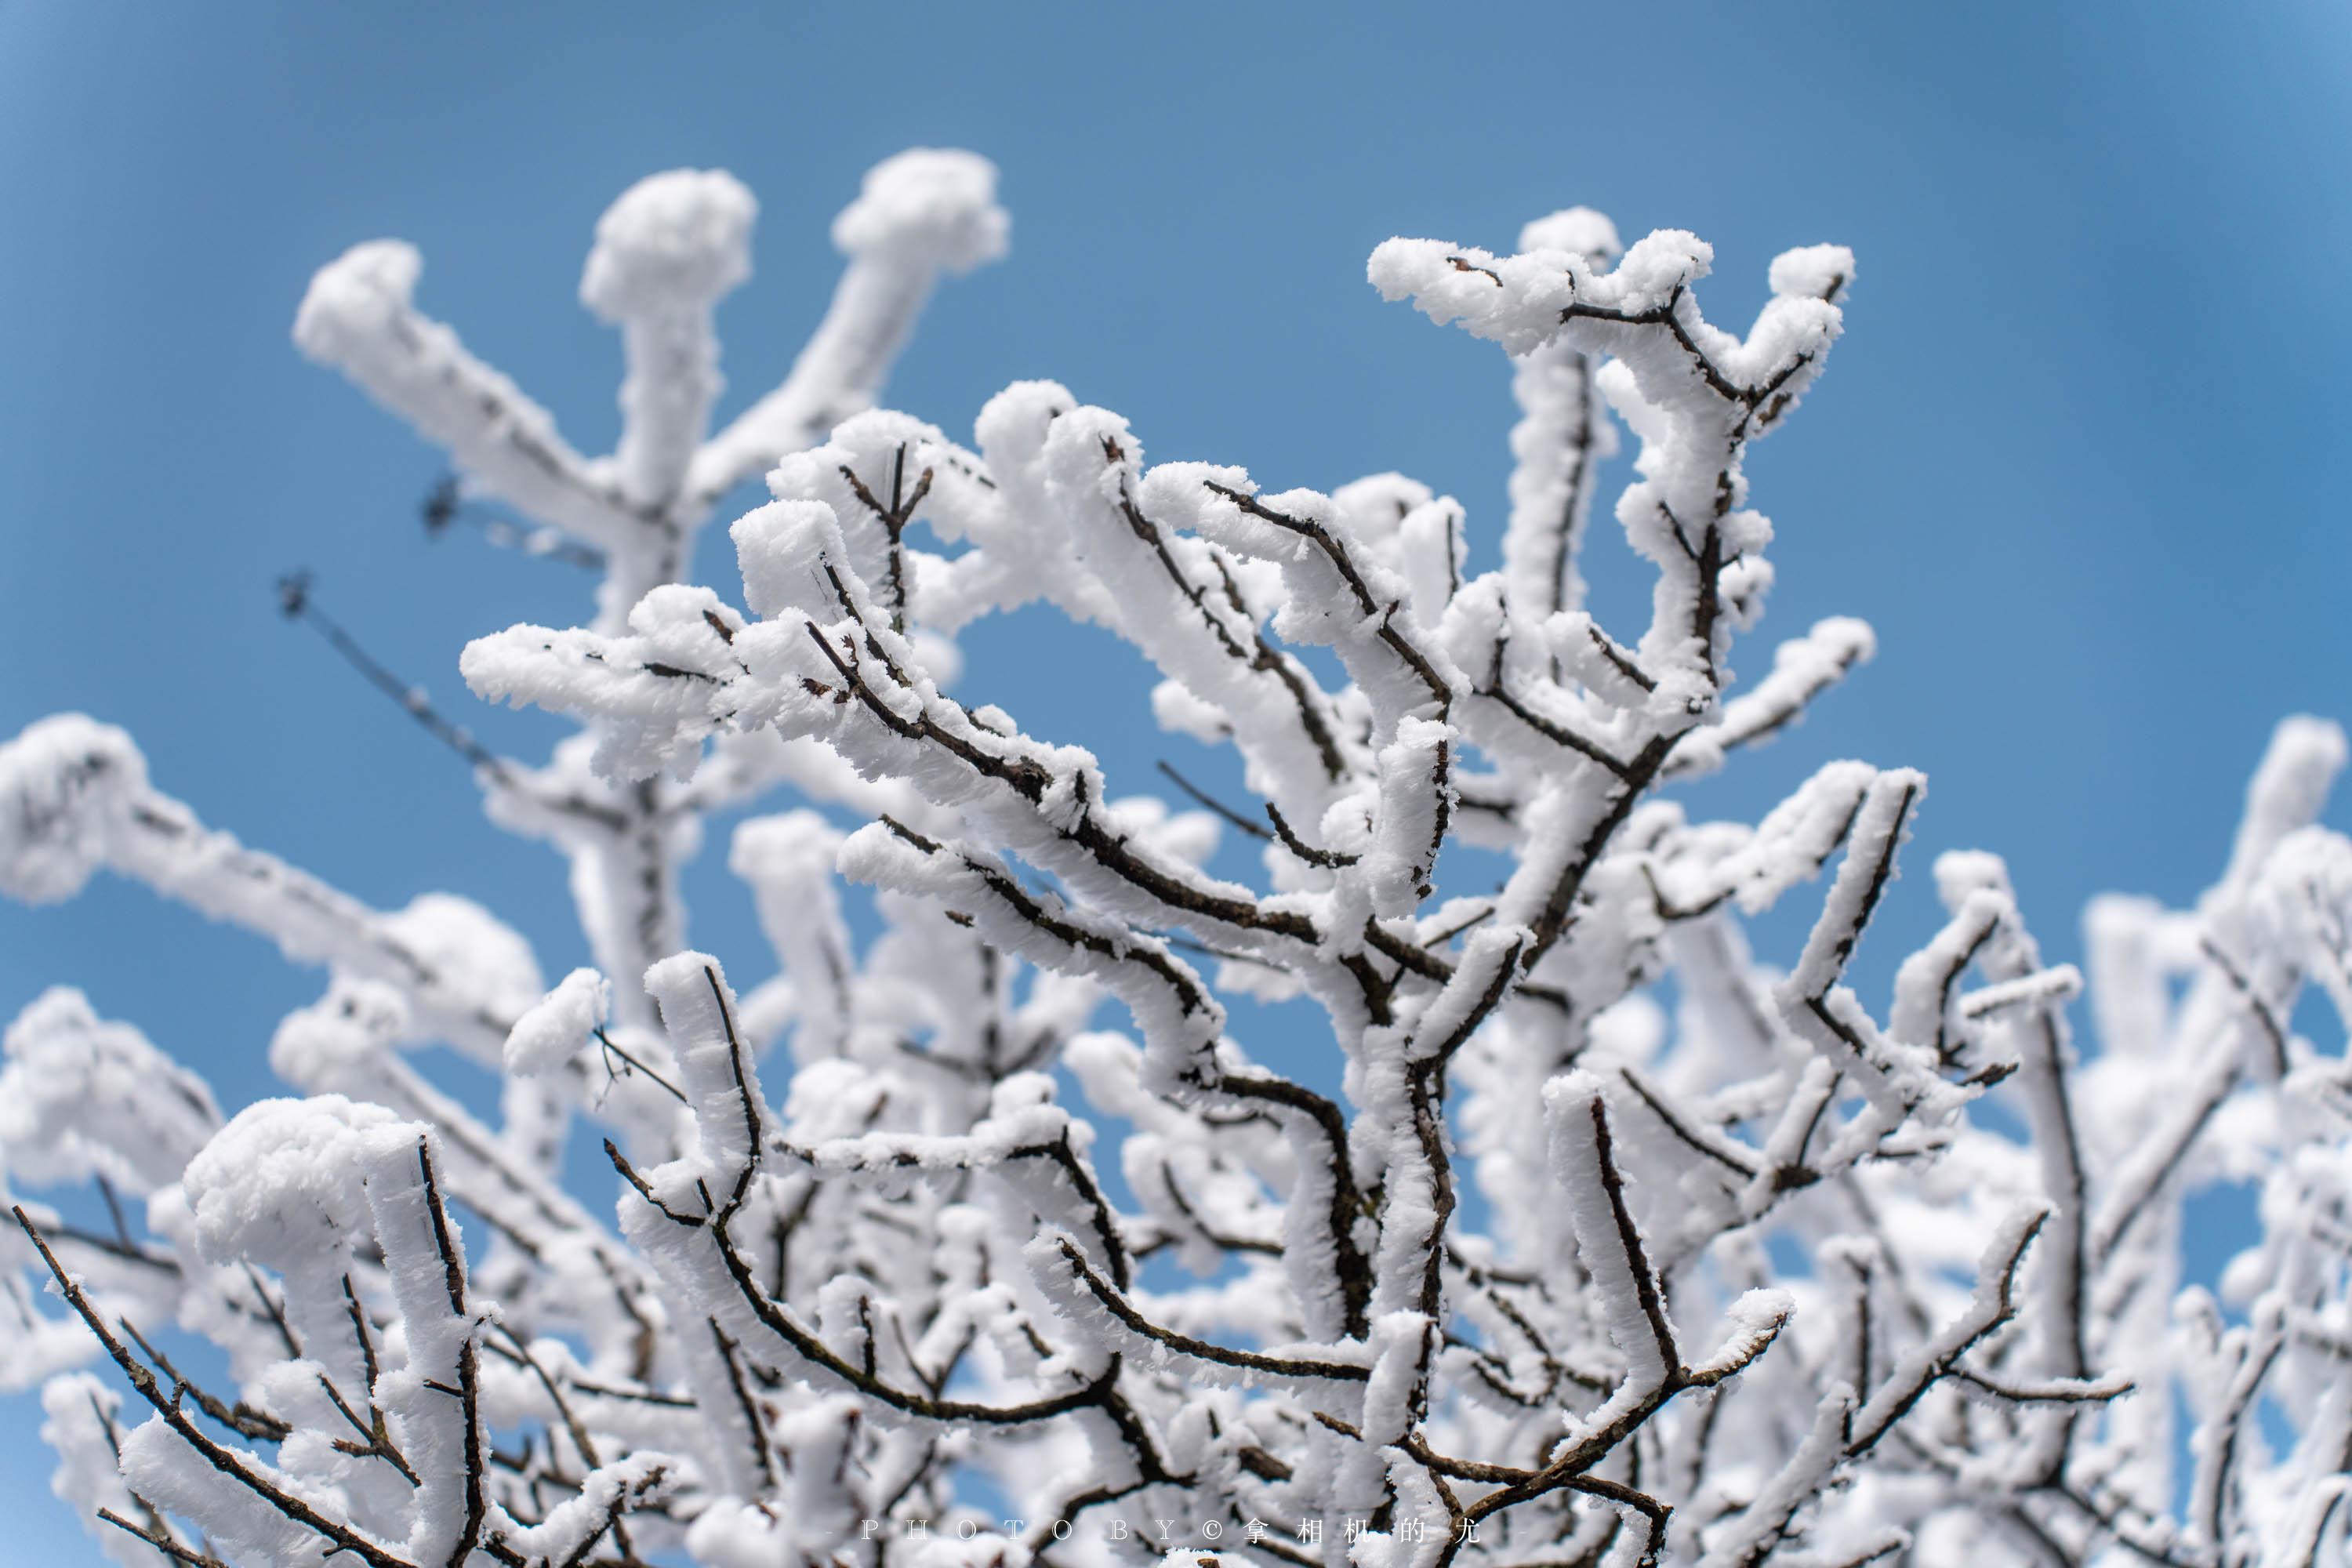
665	254
1557	1279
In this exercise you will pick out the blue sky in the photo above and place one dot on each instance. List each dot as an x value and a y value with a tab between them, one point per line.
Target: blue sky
2078	458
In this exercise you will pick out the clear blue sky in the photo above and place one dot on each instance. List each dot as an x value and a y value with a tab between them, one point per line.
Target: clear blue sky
2079	457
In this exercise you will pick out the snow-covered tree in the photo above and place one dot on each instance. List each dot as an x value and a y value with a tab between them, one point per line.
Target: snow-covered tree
1620	1244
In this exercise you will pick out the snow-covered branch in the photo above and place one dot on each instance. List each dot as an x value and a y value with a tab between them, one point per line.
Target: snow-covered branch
998	1193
